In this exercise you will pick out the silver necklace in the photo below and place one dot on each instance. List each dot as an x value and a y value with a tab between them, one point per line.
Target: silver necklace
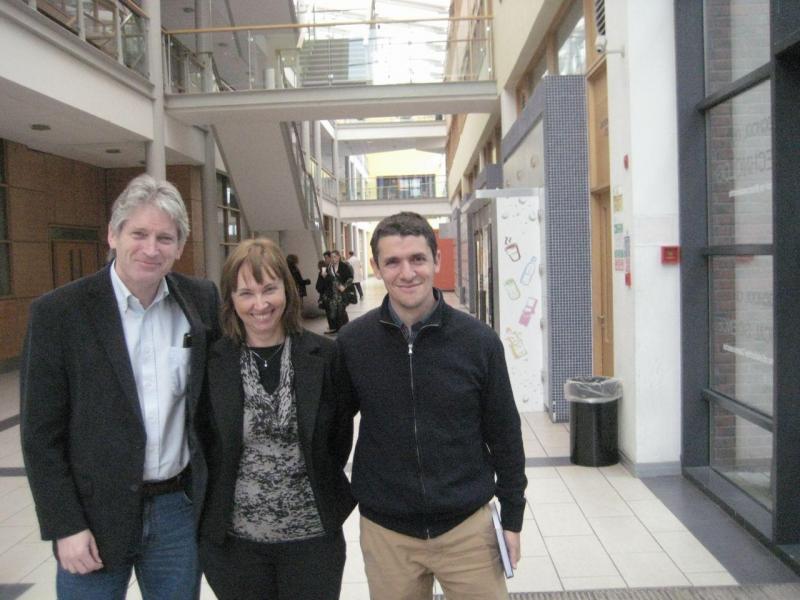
260	358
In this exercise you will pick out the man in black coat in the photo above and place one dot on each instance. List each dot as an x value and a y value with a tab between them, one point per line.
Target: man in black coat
112	370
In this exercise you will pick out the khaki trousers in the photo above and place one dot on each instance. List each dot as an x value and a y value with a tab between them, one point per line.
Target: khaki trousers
465	561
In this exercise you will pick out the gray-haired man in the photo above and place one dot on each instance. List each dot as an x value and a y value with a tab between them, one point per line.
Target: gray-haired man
112	370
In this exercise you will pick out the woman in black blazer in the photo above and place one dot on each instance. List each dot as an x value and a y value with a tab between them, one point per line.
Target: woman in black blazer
277	435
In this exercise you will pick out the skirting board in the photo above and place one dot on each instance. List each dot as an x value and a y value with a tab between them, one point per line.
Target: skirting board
649	469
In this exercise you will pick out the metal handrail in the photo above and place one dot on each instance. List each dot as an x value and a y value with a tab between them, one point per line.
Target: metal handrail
235	28
410	186
356	52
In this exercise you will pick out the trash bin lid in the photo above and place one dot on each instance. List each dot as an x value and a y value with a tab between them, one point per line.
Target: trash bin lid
593	389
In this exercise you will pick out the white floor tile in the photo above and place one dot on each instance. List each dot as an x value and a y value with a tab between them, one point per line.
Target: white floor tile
654	569
593	583
15	501
354	591
23	518
534	473
9	484
630	489
655	516
533	449
687	552
11	535
548	491
602	504
354	567
13	460
531	541
22	559
556	450
623	535
351	527
709	579
580	556
560	519
43	579
535	574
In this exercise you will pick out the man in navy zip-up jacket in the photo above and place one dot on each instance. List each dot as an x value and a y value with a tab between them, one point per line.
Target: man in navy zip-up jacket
439	435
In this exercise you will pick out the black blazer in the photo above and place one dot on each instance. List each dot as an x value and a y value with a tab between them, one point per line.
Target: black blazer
325	430
83	438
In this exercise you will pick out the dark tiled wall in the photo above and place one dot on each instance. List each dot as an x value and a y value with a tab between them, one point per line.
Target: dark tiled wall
568	237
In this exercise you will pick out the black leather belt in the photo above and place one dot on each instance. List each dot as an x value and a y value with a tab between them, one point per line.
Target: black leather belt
166	486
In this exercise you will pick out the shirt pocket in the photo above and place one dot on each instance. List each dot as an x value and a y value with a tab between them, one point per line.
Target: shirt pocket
180	369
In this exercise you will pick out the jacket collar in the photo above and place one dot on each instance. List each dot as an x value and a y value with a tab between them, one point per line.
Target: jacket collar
226	386
103	314
435	318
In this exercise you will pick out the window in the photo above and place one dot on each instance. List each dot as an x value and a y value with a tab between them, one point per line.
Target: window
739	246
404	187
739	138
736	40
571	42
228	216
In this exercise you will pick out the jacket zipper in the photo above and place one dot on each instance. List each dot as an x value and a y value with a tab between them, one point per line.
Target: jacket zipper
414	415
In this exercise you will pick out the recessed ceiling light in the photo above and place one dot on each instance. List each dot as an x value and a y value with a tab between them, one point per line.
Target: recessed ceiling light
113	151
40	127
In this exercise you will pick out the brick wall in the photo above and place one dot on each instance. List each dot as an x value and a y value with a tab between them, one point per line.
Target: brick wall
46	191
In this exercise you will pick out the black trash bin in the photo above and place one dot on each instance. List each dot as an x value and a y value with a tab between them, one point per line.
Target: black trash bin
593	420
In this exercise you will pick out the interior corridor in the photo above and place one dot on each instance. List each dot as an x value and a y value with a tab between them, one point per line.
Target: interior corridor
585	528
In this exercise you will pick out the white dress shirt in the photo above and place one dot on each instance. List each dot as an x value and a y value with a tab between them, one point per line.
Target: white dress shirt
355	262
154	337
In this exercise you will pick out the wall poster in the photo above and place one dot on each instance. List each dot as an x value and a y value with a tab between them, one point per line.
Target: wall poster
519	296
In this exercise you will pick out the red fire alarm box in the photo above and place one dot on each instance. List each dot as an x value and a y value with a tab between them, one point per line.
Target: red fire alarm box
670	255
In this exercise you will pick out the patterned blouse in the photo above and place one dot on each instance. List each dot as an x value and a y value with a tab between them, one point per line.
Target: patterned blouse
273	500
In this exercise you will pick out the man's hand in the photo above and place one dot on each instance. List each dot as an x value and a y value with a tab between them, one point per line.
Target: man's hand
78	553
512	541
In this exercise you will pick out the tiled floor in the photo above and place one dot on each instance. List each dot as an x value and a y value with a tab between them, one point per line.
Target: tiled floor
585	528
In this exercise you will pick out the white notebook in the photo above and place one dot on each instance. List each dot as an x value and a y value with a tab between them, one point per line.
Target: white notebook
501	541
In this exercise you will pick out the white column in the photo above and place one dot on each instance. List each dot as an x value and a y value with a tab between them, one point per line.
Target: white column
211	241
205	51
154	149
508	110
335	165
318	153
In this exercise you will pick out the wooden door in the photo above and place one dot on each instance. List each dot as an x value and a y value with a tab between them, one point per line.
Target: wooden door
602	295
74	259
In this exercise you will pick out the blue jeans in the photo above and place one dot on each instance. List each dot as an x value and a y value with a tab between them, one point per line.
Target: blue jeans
166	562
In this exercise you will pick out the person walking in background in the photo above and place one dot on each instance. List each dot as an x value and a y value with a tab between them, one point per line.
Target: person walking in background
294	269
339	287
358	273
112	371
277	435
439	435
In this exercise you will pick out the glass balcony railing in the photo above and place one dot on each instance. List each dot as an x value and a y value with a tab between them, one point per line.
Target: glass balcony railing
117	27
397	187
339	54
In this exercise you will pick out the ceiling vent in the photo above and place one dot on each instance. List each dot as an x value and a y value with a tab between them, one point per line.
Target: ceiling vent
600	16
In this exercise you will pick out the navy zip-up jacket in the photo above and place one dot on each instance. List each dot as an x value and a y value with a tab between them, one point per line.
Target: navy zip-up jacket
440	433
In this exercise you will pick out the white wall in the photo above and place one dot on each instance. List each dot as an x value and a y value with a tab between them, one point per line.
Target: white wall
48	67
88	98
643	125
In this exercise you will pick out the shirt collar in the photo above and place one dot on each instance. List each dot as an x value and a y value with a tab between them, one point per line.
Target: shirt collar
419	324
125	298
